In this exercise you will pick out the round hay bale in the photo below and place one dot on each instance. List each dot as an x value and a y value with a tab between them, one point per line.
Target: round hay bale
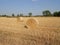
32	23
19	19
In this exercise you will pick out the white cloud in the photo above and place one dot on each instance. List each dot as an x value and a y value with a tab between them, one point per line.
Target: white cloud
34	0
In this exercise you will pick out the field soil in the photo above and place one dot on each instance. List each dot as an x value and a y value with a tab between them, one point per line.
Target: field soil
16	32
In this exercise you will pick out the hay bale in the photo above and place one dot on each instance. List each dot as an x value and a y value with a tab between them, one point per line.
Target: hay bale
19	19
32	23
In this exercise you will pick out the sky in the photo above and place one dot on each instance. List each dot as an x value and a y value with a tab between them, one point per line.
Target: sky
26	6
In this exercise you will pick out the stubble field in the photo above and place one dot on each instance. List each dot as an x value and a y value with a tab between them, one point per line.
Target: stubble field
15	32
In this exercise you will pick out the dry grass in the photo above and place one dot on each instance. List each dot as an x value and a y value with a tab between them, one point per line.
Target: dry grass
13	33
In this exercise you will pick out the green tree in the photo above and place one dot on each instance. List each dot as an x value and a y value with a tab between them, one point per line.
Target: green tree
56	13
46	13
59	13
17	15
4	15
21	14
30	14
13	15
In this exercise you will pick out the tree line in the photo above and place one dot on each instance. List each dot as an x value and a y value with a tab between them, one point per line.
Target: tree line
48	13
44	13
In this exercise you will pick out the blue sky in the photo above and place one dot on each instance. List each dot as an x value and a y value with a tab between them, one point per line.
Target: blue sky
26	6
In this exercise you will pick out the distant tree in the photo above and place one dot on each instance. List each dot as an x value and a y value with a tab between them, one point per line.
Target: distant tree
4	15
30	14
59	13
0	15
21	14
17	15
46	13
13	15
56	13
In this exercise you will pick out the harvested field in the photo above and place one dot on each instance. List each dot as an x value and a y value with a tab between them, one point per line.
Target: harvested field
13	33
